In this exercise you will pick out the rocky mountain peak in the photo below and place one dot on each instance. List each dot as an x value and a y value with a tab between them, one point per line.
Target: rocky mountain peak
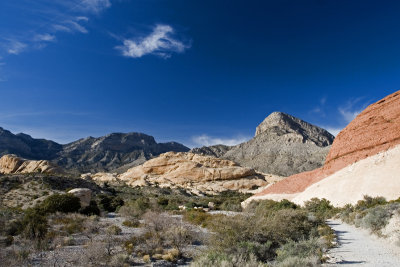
281	123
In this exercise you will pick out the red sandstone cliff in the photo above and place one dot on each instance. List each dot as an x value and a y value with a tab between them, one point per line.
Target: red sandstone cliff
375	129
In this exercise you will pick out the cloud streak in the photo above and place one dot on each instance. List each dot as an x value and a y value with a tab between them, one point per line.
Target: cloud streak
159	42
206	140
347	113
45	19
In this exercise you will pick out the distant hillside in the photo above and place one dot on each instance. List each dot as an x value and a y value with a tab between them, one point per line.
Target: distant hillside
90	154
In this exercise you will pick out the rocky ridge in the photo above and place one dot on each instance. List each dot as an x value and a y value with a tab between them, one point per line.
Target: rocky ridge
195	173
90	154
283	145
112	151
11	164
217	151
373	131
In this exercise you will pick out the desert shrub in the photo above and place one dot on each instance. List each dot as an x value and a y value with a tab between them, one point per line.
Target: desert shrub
70	223
261	234
146	258
110	203
161	232
197	217
376	219
114	230
60	202
267	206
262	251
231	205
298	261
212	259
92	209
301	249
369	202
135	207
34	225
321	208
133	222
288	224
178	237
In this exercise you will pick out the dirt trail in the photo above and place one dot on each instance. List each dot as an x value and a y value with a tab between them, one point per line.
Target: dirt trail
357	248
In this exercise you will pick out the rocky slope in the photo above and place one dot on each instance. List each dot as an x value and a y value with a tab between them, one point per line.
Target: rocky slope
11	164
89	154
283	145
113	151
27	147
365	151
195	173
217	151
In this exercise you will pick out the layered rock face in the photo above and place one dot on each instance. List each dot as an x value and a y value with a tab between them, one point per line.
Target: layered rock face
355	150
10	164
196	173
89	154
283	145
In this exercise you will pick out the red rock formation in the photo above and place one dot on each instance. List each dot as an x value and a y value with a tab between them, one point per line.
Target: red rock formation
375	129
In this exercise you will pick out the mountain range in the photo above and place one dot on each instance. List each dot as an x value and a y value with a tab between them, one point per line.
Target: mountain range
89	154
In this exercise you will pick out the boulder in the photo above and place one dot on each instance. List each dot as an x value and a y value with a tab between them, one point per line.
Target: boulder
84	195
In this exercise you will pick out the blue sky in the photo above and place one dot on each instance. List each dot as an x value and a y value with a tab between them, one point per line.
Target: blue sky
199	72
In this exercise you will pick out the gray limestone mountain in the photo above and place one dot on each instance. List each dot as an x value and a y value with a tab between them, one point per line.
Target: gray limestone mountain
283	145
215	151
112	151
90	154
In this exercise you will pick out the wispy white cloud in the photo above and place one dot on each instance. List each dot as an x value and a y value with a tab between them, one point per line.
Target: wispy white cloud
46	19
159	42
347	113
15	47
46	37
206	140
95	6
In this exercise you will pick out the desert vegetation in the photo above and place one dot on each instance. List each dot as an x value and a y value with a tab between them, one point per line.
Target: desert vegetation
126	226
371	213
268	233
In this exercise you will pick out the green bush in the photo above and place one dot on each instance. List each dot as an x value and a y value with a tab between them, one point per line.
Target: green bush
298	261
265	207
92	209
212	259
114	230
34	224
197	217
369	202
322	208
135	207
110	203
302	249
60	202
134	223
376	219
